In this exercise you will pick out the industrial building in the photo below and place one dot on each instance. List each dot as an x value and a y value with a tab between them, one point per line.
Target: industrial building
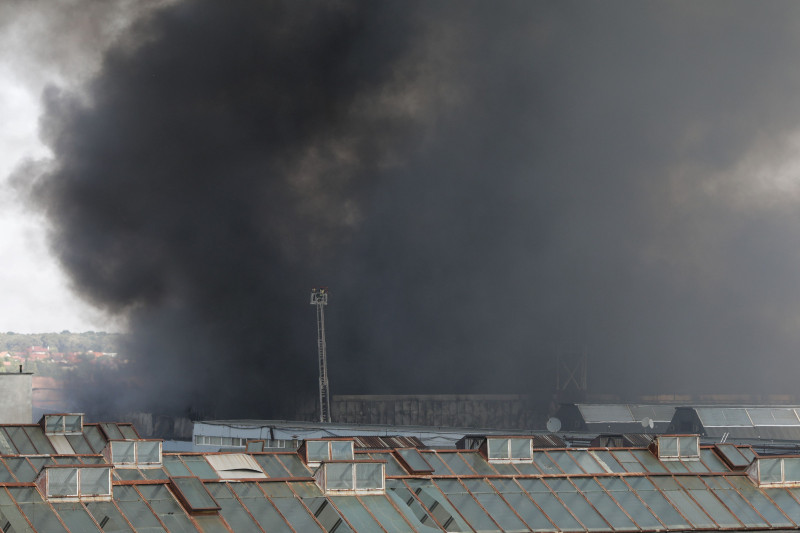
64	474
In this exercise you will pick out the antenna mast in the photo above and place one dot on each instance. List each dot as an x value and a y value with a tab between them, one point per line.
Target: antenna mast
319	298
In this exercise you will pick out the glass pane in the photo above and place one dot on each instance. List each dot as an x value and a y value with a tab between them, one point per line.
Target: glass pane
607	461
742	510
95	481
553	508
62	482
545	464
415	460
111	431
565	462
436	504
500	511
79	444
712	461
497	448
195	493
175	467
200	467
791	469
386	514
587	462
341	450
354	512
339	476
681	500
75	516
763	505
127	474
5	474
577	504
393	467
230	508
412	509
296	514
654	499
72	423
110	519
604	504
134	509
211	524
36	435
272	466
627	499
148	452
628	461
20	440
317	450
769	470
327	515
787	504
294	465
650	463
369	475
21	469
689	446
521	449
457	464
166	507
259	506
122	452
732	455
439	468
667	446
476	461
127	431
709	502
54	423
95	438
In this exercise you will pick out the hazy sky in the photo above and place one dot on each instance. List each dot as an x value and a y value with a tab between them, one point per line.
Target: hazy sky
482	184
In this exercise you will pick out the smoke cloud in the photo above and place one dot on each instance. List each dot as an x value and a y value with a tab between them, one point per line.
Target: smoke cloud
481	185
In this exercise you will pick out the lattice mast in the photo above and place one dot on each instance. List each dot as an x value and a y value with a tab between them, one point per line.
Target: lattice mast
319	298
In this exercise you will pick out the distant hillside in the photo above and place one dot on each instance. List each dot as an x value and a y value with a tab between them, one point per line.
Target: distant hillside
65	341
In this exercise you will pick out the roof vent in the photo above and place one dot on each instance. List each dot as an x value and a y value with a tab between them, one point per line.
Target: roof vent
509	449
141	453
316	451
775	471
677	447
351	477
62	424
193	495
75	483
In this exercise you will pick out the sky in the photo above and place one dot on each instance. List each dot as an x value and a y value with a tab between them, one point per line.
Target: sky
481	185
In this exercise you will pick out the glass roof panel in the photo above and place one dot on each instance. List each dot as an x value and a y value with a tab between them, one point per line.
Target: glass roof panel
112	431
294	465
500	512
712	461
154	473
478	463
723	416
260	507
684	504
747	452
551	506
649	461
586	461
762	504
604	504
607	461
76	517
79	443
211	524
565	462
175	466
732	455
545	464
21	468
195	493
166	507
135	509
526	469
127	431
606	413
457	464
20	440
695	466
441	509
709	502
393	468
5	475
627	499
355	513
528	511
296	514
127	474
272	466
472	512
415	460
439	468
41	515
731	498
107	514
575	501
36	435
654	499
200	467
326	514
6	448
628	461
675	466
94	436
773	416
413	510
386	514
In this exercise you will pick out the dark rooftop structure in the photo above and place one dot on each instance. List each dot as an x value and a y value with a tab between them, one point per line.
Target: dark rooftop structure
614	418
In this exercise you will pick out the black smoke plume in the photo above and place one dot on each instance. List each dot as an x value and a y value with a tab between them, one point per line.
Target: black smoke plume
480	184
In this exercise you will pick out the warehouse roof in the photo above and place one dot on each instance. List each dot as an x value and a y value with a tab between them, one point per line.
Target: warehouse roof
329	484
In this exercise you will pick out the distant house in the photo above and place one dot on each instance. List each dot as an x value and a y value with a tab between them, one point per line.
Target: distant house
36	353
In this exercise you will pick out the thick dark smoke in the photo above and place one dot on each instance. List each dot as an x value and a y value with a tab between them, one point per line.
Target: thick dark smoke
481	185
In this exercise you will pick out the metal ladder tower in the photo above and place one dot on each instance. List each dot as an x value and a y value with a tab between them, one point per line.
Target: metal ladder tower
319	298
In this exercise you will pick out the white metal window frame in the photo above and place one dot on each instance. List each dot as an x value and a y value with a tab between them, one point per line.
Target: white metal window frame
136	462
509	454
322	478
79	488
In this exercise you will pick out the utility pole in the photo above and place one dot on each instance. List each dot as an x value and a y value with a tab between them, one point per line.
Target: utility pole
319	298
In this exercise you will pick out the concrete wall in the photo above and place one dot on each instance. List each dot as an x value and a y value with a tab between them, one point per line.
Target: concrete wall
16	398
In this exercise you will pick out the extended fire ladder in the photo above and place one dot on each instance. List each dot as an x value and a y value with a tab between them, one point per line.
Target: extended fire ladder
319	298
